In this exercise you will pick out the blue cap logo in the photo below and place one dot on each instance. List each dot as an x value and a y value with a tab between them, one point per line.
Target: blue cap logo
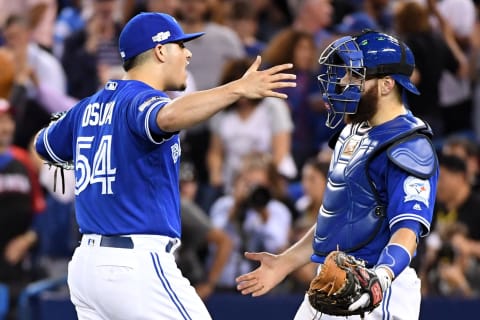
161	36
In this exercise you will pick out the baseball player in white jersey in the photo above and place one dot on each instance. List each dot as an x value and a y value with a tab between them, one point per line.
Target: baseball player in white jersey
381	183
123	142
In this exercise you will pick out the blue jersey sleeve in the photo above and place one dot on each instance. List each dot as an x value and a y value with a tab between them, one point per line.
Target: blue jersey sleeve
59	132
410	198
143	113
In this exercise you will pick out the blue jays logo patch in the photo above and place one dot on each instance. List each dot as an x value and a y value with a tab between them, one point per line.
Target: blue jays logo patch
417	190
350	146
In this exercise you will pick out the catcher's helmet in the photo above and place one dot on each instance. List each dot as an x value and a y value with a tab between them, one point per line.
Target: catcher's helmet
368	55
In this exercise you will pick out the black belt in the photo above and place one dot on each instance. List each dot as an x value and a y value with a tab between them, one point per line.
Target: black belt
116	242
127	242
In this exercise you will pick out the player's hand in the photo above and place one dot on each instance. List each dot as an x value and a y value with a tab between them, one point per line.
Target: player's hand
263	83
264	278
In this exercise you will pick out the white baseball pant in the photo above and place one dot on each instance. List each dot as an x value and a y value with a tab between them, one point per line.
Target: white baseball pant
132	278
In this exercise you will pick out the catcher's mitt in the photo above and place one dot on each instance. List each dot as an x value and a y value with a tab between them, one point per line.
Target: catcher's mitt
342	280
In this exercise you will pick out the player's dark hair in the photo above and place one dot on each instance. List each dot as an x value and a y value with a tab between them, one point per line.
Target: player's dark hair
135	61
128	64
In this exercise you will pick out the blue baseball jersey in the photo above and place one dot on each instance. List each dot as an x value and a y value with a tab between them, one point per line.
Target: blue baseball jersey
369	195
126	167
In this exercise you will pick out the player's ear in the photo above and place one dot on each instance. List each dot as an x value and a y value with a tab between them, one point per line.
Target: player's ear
386	85
159	52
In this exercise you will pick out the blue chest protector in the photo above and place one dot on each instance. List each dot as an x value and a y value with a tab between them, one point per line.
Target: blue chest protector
353	212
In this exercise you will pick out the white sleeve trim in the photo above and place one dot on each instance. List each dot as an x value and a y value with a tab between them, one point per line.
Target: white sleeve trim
411	216
49	149
147	119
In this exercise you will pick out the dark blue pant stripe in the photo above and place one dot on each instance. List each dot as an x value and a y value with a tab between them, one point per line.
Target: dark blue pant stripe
166	285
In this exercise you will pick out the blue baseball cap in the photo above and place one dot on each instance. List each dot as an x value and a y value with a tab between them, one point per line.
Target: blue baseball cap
149	29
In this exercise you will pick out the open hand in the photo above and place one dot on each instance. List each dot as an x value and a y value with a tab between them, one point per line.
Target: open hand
264	278
263	83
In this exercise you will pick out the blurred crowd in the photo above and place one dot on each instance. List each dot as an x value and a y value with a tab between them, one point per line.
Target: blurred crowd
252	178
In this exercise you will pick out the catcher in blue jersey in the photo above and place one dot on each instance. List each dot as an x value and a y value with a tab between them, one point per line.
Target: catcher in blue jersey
124	145
380	192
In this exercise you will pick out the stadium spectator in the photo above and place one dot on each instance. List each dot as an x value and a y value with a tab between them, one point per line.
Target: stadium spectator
373	14
272	16
68	21
314	181
420	37
315	17
475	71
91	54
243	20
466	149
253	219
456	214
248	126
57	230
14	86
29	55
219	45
21	199
305	101
455	92
40	15
198	234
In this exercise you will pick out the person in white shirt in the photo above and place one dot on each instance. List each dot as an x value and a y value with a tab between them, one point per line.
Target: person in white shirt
250	215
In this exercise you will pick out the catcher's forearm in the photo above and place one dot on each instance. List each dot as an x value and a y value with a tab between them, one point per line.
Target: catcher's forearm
299	253
397	255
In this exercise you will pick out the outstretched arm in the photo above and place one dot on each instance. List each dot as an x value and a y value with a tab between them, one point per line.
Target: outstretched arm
196	107
274	268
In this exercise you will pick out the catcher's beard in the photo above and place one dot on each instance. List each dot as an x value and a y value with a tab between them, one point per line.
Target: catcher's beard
367	107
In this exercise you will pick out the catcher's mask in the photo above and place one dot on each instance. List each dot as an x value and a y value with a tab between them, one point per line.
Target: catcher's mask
348	62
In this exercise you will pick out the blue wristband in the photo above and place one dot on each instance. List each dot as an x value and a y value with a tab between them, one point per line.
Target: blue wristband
395	257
